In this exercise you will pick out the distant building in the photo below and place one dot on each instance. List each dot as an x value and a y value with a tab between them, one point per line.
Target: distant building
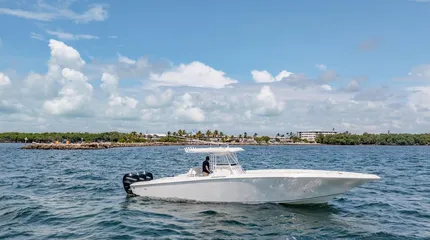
311	135
155	136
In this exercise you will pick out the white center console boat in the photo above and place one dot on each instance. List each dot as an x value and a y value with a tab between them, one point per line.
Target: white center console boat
228	182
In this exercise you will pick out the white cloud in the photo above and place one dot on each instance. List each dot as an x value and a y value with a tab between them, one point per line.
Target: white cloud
48	12
321	67
37	36
121	107
265	77
419	99
353	86
9	107
125	60
4	80
110	83
69	36
187	112
165	99
195	74
64	55
294	103
267	104
112	37
41	16
74	97
150	115
326	87
420	71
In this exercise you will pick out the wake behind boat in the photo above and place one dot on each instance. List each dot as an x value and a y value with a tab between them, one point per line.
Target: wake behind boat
228	182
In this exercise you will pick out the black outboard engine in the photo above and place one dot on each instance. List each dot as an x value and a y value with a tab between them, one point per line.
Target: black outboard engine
130	178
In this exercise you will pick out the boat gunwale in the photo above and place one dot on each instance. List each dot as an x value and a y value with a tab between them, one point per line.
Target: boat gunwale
181	179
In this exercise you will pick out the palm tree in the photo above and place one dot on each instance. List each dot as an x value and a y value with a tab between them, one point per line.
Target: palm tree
255	134
215	133
221	134
199	134
278	134
208	133
168	134
245	135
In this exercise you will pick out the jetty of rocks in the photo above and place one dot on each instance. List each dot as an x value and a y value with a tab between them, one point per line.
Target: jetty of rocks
105	145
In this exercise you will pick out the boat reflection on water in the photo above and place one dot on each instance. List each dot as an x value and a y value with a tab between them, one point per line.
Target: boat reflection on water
234	219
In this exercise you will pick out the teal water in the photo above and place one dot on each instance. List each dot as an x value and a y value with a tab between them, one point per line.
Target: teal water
79	195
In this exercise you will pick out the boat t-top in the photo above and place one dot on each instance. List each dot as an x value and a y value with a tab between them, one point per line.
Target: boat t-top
228	182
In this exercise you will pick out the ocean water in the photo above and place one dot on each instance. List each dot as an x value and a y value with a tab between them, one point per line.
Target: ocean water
79	195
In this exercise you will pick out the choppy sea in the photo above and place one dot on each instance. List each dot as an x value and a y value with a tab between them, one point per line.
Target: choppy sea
78	194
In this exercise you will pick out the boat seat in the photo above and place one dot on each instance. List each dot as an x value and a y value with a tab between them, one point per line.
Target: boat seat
195	171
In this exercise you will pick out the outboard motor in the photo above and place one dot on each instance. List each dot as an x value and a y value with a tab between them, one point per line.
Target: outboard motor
130	178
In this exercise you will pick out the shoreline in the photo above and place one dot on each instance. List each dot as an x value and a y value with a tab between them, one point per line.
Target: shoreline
107	145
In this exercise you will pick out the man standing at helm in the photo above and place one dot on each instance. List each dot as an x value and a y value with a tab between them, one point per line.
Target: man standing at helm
205	167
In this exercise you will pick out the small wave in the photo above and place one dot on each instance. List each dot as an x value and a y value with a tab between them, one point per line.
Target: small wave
415	213
208	212
234	223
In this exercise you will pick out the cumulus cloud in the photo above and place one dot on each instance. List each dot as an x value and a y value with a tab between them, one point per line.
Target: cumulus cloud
10	107
353	86
291	101
326	87
109	83
267	104
74	97
195	74
163	100
265	77
187	112
64	55
150	115
126	60
122	107
419	99
4	80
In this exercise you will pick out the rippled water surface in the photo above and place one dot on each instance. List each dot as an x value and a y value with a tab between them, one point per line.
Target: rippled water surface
79	195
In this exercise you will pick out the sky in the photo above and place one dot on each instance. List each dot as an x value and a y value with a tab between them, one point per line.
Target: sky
261	67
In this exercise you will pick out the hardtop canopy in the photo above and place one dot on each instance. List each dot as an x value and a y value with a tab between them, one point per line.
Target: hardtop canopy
214	150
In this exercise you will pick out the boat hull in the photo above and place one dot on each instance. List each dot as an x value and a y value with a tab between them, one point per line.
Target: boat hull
252	188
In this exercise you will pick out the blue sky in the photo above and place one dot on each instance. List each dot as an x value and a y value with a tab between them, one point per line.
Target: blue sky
361	48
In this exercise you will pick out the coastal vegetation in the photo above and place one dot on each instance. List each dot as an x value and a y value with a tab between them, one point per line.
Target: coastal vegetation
374	139
214	136
133	137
